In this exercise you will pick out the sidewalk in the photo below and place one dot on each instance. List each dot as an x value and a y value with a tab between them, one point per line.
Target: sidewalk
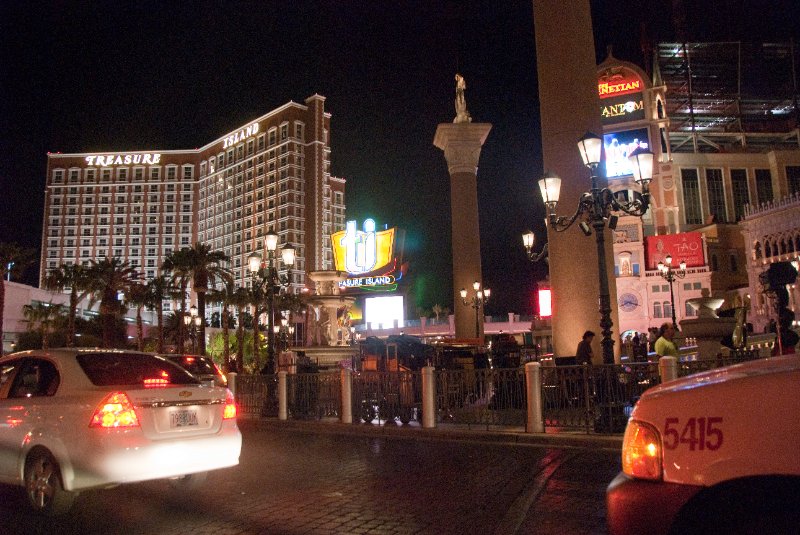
444	432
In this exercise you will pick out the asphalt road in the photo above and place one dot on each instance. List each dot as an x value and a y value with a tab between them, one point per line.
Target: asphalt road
294	481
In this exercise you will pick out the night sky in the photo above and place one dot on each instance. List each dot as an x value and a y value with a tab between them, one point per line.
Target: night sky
114	76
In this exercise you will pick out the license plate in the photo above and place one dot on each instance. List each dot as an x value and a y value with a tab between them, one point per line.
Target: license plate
183	418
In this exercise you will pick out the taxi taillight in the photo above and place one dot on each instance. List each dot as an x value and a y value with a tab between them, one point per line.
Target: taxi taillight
116	410
641	451
230	406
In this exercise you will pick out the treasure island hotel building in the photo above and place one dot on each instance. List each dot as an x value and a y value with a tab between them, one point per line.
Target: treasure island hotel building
139	206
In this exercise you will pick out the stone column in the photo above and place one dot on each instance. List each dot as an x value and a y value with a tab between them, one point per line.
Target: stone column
570	106
461	143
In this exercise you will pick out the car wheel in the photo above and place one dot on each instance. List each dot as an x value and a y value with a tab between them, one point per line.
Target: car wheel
43	485
189	481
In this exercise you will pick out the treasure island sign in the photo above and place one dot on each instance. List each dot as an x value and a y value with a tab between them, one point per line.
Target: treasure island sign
369	256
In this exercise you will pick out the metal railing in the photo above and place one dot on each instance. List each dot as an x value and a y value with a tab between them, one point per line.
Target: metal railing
590	399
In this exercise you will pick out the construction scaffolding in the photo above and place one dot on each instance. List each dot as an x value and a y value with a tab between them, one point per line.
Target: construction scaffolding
730	97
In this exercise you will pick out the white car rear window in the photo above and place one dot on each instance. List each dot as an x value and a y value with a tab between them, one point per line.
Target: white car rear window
131	369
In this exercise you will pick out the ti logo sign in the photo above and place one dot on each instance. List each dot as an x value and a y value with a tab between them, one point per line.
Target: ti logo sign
362	251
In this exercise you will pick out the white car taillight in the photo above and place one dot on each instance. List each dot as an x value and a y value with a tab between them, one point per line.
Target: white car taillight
116	410
230	406
641	451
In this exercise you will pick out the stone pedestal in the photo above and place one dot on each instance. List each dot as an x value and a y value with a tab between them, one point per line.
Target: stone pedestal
707	328
461	143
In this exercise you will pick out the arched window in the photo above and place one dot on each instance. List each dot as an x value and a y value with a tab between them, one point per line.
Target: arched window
657	310
757	251
667	309
689	310
767	250
783	247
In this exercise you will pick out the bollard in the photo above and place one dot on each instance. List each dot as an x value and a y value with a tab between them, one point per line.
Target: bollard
283	413
533	392
668	368
347	396
232	383
428	397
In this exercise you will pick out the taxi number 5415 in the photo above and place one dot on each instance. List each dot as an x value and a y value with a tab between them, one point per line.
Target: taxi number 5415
698	433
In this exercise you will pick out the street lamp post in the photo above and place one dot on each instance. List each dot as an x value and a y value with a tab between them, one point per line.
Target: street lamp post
476	301
528	239
192	322
594	212
265	275
669	274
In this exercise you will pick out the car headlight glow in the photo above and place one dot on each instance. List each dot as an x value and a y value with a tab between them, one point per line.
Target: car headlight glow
641	451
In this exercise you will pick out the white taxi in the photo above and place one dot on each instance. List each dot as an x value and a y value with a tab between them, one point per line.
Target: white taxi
714	452
75	419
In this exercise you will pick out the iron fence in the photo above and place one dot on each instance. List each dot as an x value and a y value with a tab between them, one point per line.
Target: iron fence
584	398
481	397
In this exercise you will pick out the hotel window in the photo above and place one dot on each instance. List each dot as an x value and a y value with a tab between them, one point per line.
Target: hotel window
172	172
187	172
261	142
284	131
250	147
716	195
122	174
793	177
230	156
741	196
106	175
138	173
763	185
58	177
73	176
299	131
90	175
657	310
155	173
272	134
691	197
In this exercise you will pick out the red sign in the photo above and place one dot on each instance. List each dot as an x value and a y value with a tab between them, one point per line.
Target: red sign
614	86
684	247
545	303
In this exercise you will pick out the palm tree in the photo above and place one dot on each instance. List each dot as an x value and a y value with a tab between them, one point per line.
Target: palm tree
177	264
159	289
203	265
13	260
226	296
240	300
42	315
109	278
74	277
138	296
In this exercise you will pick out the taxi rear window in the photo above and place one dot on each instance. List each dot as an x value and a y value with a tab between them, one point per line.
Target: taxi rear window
131	369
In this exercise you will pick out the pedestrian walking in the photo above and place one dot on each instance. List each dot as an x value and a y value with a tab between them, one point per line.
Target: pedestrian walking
584	355
665	345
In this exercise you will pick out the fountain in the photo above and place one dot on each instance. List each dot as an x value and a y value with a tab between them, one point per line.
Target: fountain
707	328
330	339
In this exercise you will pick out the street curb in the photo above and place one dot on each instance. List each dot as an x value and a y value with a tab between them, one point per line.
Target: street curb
444	432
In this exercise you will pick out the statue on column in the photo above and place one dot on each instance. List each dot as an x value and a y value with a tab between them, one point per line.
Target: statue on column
462	115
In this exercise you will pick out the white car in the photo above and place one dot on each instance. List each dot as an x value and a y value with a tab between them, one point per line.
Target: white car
713	452
75	419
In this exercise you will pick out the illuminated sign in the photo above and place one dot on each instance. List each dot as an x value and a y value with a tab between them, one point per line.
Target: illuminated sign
683	247
618	146
621	109
545	303
618	87
124	159
362	251
367	255
241	135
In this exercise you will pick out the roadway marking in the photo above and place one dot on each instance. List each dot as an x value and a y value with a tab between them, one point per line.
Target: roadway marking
518	510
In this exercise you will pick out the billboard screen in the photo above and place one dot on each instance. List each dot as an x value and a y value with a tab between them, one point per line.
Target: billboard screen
684	247
618	146
383	312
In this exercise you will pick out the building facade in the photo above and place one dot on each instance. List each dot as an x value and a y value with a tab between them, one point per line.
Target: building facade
727	146
272	173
